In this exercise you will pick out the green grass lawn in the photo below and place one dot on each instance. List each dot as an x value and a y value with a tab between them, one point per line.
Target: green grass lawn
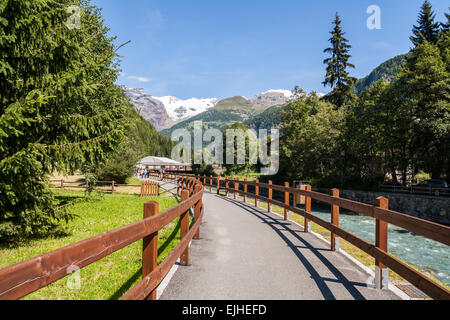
133	181
113	275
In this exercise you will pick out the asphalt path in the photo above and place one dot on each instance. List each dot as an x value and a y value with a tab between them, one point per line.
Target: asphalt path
246	253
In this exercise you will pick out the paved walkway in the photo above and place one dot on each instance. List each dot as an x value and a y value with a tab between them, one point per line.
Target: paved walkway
246	253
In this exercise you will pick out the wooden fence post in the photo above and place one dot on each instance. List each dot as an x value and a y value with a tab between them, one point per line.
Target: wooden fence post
210	183
335	221
62	183
381	241
308	210
184	259
245	190
197	209
286	201
236	189
269	205
150	246
218	185
112	187
256	193
227	185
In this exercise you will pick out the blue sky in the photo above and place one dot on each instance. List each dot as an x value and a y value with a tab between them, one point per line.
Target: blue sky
211	48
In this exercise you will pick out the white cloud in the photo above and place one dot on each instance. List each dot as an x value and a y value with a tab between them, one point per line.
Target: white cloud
140	79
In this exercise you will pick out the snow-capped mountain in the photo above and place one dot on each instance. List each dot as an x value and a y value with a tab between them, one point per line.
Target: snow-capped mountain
271	98
287	93
149	108
168	111
180	110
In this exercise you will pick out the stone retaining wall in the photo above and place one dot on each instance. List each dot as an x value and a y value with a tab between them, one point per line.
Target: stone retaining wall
436	209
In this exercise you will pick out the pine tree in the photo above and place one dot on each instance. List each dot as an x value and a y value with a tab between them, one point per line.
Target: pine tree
427	29
59	106
337	76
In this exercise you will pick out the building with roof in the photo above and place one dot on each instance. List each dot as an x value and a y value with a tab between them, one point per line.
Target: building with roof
154	163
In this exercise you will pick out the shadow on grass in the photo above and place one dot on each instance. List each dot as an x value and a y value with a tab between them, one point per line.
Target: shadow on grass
57	231
127	285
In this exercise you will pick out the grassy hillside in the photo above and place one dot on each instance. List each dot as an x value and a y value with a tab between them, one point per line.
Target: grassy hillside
235	104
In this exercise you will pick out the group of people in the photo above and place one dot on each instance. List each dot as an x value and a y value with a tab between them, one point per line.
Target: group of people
145	173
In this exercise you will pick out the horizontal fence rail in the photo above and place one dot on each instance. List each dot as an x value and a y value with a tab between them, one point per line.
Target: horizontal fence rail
381	213
26	277
62	184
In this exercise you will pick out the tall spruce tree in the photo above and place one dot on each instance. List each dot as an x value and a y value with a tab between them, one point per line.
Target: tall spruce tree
427	28
337	76
59	106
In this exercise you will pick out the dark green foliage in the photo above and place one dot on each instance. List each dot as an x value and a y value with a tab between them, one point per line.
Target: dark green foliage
394	130
311	129
427	28
119	165
387	71
141	140
246	166
59	107
203	169
266	120
337	76
147	139
424	88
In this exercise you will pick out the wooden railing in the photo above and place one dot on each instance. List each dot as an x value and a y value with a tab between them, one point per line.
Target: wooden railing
149	188
62	184
380	212
26	277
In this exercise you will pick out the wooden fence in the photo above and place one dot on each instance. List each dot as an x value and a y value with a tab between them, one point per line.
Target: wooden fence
26	277
149	188
380	212
108	186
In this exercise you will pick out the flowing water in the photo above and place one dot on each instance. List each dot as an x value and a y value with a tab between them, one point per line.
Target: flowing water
431	257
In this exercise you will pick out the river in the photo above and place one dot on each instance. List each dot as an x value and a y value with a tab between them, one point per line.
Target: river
431	257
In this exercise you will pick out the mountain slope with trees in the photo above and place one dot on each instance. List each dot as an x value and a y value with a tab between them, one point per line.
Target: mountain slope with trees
388	70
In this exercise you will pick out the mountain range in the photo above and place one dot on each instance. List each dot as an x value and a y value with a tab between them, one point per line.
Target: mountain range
170	113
